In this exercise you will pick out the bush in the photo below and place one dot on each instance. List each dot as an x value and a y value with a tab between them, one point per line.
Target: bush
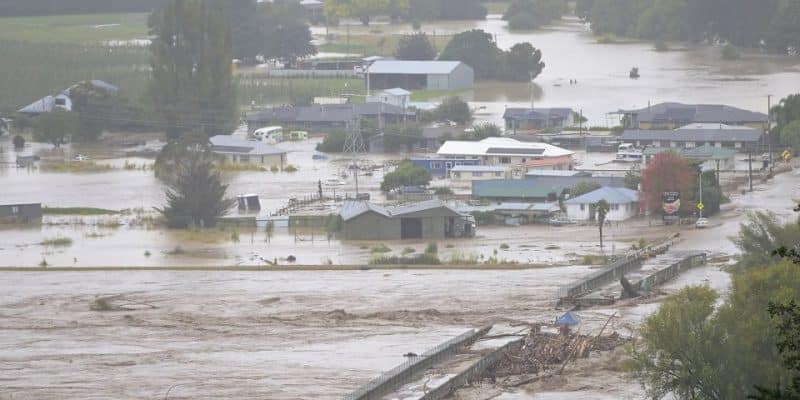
432	248
408	250
57	241
406	174
290	168
19	142
419	259
504	246
381	248
443	191
729	52
274	169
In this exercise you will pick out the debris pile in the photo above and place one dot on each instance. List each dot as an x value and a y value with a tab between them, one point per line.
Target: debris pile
539	352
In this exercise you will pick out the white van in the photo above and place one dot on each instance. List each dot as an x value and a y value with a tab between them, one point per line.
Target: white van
270	134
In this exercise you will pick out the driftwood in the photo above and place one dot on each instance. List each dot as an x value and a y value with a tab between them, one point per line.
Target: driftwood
628	290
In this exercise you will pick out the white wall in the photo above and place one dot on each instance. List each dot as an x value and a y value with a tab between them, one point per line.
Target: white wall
618	212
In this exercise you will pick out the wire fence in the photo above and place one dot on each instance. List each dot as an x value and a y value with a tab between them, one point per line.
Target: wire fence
402	373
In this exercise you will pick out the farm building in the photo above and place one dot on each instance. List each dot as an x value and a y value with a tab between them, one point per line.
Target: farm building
469	173
418	75
396	96
674	115
522	120
623	204
740	138
535	189
509	152
326	118
433	219
62	100
20	213
235	150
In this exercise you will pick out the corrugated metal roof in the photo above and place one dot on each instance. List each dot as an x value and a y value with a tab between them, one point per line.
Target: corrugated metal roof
232	145
353	208
397	92
421	206
697	133
515	147
555	172
513	188
677	112
537	113
612	195
413	67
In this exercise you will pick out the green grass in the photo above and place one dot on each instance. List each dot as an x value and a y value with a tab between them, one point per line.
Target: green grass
74	166
57	242
78	29
264	89
428	95
496	7
77	211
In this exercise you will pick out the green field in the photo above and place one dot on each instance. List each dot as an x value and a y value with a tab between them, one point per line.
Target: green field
81	29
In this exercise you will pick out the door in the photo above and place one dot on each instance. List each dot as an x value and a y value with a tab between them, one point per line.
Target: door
411	228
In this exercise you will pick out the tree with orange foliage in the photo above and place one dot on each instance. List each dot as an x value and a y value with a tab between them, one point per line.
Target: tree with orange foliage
666	172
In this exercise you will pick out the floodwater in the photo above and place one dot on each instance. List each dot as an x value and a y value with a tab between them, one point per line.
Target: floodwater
689	75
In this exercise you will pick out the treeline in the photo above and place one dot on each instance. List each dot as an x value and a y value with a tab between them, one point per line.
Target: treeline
25	8
772	24
412	10
422	10
531	14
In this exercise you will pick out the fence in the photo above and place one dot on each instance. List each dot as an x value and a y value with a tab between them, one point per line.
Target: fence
403	373
672	271
630	262
470	373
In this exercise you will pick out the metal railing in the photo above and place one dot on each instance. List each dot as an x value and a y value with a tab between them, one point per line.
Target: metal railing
403	373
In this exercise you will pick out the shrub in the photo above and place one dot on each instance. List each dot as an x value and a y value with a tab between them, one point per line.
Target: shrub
274	169
290	168
419	259
408	250
504	246
19	142
381	248
729	52
443	191
57	241
432	248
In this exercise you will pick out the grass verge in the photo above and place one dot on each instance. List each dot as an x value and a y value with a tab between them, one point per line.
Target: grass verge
77	211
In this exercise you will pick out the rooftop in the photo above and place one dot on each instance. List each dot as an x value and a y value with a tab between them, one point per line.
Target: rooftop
678	112
352	209
325	113
556	172
478	168
413	67
705	152
227	144
537	113
397	92
612	195
513	188
697	133
501	147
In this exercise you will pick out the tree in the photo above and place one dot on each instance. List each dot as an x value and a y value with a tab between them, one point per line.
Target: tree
289	43
790	136
197	197
786	318
522	63
415	47
453	109
55	127
582	188
446	10
786	111
632	179
784	29
406	174
475	48
531	14
667	172
484	130
192	79
602	207
19	142
760	236
364	10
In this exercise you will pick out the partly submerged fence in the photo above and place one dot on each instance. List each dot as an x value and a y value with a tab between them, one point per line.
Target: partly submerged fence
403	373
672	271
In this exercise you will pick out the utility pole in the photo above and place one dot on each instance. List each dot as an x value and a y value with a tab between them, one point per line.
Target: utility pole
701	189
354	146
768	132
750	167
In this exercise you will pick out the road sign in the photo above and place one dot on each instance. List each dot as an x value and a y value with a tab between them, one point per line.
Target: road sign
700	206
786	155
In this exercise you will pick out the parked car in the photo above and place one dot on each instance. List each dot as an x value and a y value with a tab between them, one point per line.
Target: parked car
81	157
701	223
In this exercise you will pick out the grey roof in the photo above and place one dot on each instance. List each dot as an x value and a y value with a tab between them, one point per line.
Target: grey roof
512	206
570	181
352	209
555	172
48	103
537	113
397	92
325	113
478	168
678	112
697	133
226	144
612	195
413	67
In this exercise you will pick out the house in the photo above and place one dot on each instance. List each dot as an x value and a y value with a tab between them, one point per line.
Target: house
433	219
469	173
418	75
509	152
396	96
515	191
236	150
534	173
623	204
62	100
516	213
326	118
740	138
675	115
440	166
712	158
21	213
527	120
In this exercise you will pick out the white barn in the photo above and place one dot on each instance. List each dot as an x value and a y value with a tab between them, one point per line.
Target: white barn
623	203
419	75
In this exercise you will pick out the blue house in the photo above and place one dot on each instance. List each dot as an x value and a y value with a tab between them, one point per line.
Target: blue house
441	166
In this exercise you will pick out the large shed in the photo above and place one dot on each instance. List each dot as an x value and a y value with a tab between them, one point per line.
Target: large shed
418	75
433	219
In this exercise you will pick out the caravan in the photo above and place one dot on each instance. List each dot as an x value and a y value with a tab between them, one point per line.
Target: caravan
270	134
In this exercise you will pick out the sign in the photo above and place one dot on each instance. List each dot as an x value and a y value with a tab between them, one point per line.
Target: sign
700	206
671	202
786	155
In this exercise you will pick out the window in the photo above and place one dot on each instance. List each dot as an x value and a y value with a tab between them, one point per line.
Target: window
436	165
477	173
244	158
615	207
498	174
505	160
15	210
457	175
449	164
583	207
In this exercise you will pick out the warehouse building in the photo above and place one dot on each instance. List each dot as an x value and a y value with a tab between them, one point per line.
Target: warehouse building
433	219
420	75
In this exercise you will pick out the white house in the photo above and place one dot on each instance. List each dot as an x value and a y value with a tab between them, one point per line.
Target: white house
397	97
623	204
509	152
469	173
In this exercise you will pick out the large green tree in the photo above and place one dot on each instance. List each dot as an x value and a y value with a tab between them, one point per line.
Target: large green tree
475	48
416	46
521	63
531	14
55	127
191	59
406	174
197	196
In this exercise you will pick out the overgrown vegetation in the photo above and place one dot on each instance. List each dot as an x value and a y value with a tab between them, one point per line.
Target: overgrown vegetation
531	14
406	174
60	241
477	48
77	211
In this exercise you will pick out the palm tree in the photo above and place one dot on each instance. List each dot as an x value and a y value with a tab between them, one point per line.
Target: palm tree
601	208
